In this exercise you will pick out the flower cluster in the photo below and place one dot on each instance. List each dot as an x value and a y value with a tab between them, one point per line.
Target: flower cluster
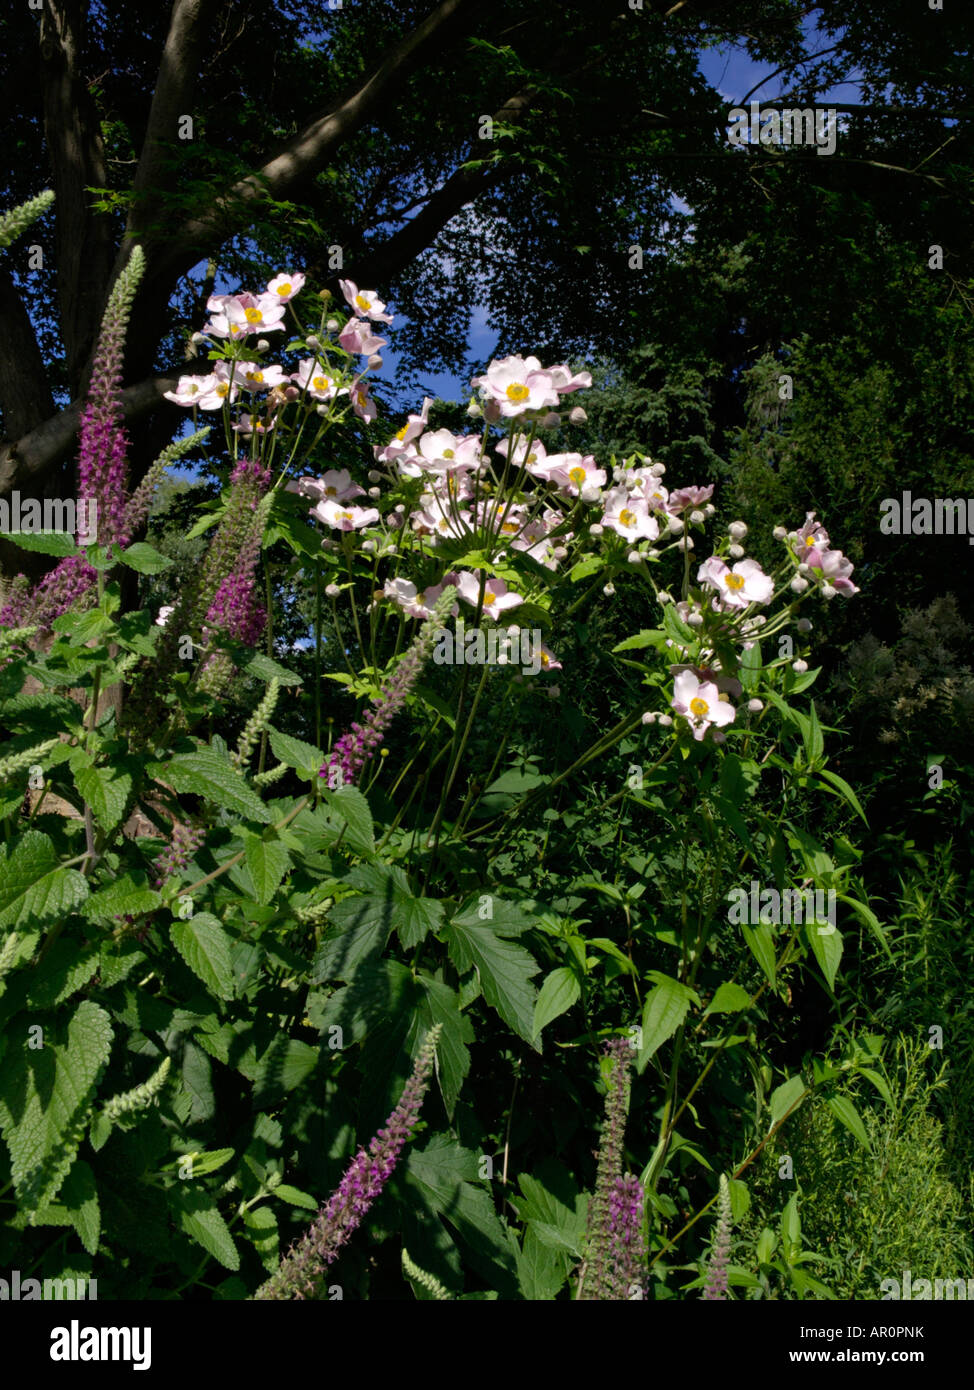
818	562
241	370
615	1251
183	844
300	1273
716	1287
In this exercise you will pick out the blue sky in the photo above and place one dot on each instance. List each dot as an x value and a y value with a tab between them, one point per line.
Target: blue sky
733	73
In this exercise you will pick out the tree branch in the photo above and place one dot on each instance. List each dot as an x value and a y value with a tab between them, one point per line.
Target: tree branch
73	135
308	151
25	397
173	97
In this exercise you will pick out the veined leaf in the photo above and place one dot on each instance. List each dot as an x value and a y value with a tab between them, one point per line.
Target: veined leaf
504	968
45	1100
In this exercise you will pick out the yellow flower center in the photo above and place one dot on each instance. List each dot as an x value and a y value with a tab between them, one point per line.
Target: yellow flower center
532	458
331	491
577	476
517	391
489	598
347	516
545	659
255	376
448	453
509	527
253	315
223	388
809	541
401	434
627	518
734	581
699	707
361	301
320	383
284	289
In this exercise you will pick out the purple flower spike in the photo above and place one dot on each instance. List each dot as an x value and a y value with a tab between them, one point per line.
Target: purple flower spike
302	1271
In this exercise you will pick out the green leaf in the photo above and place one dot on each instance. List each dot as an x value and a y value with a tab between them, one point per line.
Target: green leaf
786	1096
264	669
285	1064
504	969
505	918
559	992
295	1197
201	1163
79	1196
208	772
105	789
305	758
729	998
200	1218
45	1099
353	809
66	968
144	559
441	1004
844	1111
827	948
871	920
57	543
443	1175
648	637
842	789
359	926
760	942
205	947
268	862
813	737
665	1009
261	1224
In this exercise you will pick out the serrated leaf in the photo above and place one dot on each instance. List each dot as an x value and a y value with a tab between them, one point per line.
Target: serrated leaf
441	1004
208	772
665	1009
200	1218
285	1064
45	1098
305	758
105	789
205	947
264	669
261	1224
65	969
559	992
504	968
295	1197
268	862
352	807
443	1175
144	559
58	543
